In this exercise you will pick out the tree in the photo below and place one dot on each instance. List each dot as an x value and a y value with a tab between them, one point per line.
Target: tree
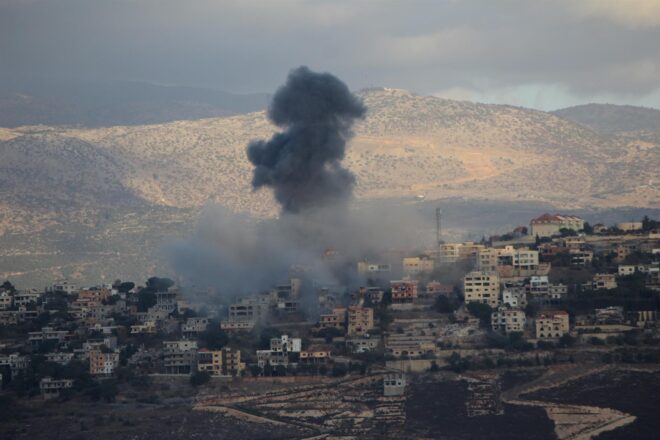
648	224
214	338
481	311
146	299
199	378
458	364
125	287
8	286
587	228
444	304
338	370
159	284
566	341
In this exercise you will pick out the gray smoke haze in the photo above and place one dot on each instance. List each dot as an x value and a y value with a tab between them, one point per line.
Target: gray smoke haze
237	255
302	163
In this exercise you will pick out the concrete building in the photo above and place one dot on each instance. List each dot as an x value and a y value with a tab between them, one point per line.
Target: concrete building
225	362
51	388
413	266
404	291
515	296
362	345
59	357
360	320
374	295
47	335
373	270
507	319
280	350
194	326
64	286
102	363
539	286
315	355
551	325
23	298
286	344
629	226
626	269
148	328
336	319
250	309
548	225
6	299
179	357
394	384
581	257
604	281
454	252
482	287
15	362
235	326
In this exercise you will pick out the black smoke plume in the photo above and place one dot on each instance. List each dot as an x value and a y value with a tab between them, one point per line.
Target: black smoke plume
302	163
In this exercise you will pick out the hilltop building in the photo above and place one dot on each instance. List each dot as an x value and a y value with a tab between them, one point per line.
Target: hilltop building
548	225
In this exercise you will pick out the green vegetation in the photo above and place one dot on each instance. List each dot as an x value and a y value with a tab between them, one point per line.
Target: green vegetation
481	311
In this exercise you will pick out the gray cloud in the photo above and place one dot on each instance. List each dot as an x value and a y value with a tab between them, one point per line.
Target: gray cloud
589	48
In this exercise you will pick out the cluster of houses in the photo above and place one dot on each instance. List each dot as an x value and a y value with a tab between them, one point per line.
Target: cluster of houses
392	313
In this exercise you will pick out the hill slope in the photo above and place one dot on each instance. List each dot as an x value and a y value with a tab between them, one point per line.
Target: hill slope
611	119
104	104
112	194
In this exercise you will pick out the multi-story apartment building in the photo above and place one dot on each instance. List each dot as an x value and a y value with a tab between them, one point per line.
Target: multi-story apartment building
508	319
581	257
102	363
539	286
315	355
482	287
23	298
286	344
46	335
6	299
194	326
413	266
404	291
514	296
336	319
552	325
360	320
280	350
225	362
179	356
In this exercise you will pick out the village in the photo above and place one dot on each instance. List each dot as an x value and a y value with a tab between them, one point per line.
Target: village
559	291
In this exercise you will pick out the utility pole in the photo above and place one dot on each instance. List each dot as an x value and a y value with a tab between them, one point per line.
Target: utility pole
438	228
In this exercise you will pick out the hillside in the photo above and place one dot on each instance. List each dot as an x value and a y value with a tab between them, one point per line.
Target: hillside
103	104
102	200
611	119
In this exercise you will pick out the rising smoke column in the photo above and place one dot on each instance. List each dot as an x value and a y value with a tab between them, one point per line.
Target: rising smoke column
302	163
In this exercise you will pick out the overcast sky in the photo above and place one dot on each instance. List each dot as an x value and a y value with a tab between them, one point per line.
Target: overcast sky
536	53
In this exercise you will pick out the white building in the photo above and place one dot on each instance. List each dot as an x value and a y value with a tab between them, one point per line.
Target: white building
515	297
539	286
